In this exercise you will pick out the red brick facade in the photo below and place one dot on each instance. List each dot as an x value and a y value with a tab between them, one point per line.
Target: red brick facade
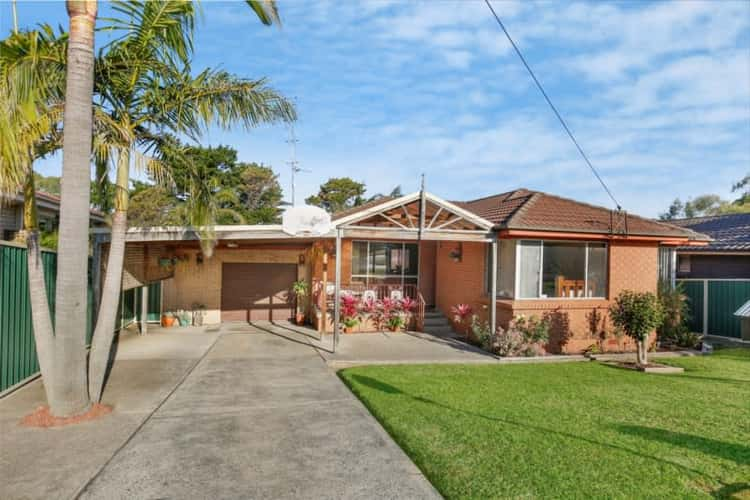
576	323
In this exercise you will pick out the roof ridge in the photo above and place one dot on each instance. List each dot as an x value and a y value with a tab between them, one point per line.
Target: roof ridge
523	207
496	195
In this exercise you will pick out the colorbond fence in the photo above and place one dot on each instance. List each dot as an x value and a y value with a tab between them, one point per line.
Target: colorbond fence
18	359
713	303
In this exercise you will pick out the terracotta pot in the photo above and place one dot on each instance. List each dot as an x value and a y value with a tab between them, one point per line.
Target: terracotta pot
393	328
167	321
300	319
348	329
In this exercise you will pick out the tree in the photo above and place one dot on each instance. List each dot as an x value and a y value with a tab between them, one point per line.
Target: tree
154	206
637	314
68	394
338	193
743	186
149	89
711	204
260	194
175	101
49	184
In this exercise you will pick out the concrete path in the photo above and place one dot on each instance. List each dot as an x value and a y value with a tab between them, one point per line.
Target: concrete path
385	348
58	462
242	413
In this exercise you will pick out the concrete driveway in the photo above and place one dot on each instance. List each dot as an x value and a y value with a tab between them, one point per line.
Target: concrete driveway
243	413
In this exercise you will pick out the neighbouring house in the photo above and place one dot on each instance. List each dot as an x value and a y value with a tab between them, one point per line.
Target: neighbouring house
716	276
552	257
48	213
727	256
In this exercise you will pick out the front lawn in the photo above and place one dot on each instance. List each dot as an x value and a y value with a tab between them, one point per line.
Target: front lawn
570	429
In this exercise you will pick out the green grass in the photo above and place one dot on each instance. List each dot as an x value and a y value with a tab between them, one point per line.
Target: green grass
570	430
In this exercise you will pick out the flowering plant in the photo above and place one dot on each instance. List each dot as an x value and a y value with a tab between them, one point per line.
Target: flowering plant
349	310
461	312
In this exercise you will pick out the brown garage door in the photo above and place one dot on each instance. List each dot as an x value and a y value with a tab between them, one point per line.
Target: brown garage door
255	292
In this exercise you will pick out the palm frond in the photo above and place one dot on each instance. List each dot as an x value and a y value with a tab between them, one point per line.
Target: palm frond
266	11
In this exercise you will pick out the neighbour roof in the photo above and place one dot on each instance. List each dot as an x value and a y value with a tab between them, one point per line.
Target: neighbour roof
730	232
55	200
534	210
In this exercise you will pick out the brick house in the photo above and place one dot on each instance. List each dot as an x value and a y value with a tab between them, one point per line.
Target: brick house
550	256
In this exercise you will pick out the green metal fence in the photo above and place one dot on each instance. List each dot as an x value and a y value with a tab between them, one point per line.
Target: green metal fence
18	359
713	302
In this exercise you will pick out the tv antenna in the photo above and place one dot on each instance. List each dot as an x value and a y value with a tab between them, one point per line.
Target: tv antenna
293	163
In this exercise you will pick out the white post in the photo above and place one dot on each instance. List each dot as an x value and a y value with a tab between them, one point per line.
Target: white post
144	309
337	292
493	285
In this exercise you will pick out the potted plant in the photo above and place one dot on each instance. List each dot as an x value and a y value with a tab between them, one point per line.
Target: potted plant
300	291
349	312
395	322
167	319
199	311
186	318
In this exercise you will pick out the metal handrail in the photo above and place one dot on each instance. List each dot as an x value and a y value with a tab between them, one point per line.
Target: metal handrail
421	306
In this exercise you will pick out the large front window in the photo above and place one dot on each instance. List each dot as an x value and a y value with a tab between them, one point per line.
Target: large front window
555	269
376	262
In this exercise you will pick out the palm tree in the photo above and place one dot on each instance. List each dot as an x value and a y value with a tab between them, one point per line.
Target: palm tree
31	97
144	82
143	88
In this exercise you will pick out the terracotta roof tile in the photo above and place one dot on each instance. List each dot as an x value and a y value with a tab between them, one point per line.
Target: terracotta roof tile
535	210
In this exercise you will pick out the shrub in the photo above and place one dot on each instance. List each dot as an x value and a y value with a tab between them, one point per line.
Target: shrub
676	311
637	314
523	337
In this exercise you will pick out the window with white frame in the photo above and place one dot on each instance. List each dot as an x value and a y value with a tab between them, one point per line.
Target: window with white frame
383	262
506	268
561	269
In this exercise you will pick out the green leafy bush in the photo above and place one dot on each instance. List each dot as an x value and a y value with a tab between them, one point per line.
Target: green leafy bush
676	309
637	314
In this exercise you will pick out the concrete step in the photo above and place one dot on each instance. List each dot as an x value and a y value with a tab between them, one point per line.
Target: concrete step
433	314
442	331
436	321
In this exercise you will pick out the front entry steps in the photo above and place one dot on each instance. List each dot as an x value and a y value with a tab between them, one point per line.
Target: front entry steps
435	323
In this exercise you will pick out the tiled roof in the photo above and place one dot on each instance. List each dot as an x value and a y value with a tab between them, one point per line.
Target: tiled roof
730	232
535	210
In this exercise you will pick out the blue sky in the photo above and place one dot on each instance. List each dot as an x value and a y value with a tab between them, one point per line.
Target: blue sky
658	94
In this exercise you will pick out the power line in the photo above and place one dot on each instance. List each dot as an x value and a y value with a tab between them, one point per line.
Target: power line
554	109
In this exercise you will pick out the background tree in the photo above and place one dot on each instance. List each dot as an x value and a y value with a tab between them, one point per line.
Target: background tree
260	194
711	204
338	193
49	184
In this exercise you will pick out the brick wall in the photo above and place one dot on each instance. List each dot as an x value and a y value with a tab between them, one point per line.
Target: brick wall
576	324
463	280
201	283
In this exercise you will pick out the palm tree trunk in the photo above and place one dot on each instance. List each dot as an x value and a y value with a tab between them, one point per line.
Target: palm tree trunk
105	322
70	381
40	314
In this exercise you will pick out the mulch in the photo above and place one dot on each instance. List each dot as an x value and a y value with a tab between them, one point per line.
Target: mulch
42	417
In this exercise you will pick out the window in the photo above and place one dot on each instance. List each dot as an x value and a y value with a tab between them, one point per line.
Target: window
506	266
379	262
683	265
561	269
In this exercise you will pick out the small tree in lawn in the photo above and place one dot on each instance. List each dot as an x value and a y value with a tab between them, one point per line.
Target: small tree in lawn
637	314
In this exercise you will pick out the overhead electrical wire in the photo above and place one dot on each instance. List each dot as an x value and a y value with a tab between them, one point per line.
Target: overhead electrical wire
554	109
